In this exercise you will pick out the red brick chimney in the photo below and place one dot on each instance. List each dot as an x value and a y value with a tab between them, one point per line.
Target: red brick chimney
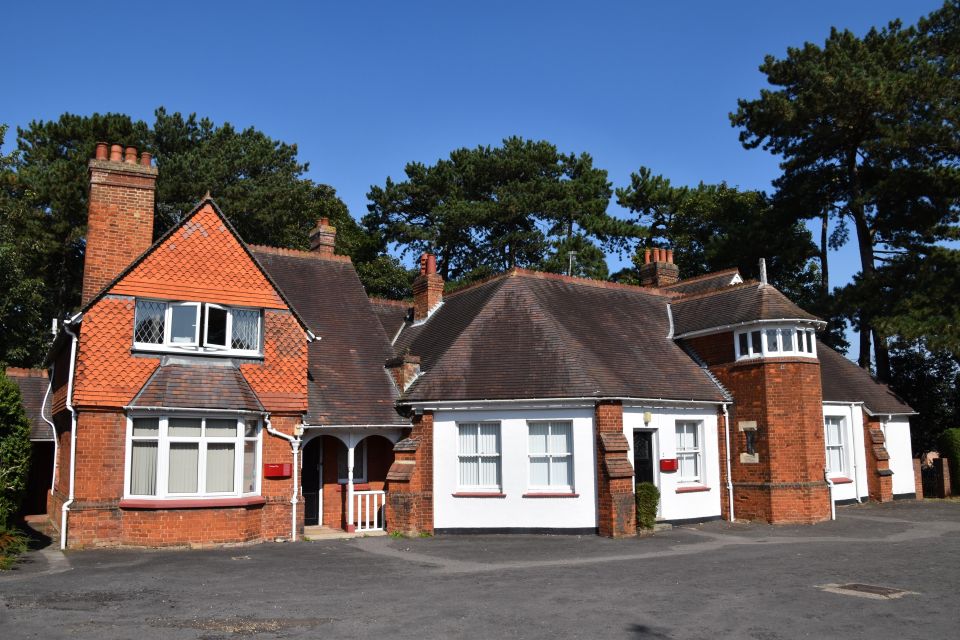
660	272
323	237
119	214
427	288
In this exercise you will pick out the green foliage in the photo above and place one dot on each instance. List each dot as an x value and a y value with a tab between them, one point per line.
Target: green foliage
22	338
14	450
714	227
950	448
929	381
647	497
488	209
385	277
12	544
867	131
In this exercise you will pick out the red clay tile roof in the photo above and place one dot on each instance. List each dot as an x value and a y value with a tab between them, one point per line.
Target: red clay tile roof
33	386
197	386
844	381
531	335
706	282
347	381
732	306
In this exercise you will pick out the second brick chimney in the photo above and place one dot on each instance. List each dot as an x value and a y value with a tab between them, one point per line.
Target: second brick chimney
323	237
427	288
119	214
660	271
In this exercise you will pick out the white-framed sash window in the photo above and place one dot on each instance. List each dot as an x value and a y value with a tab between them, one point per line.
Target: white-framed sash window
689	450
182	456
550	453
197	327
478	456
833	431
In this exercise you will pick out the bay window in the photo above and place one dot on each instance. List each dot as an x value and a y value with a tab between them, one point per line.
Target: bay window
774	341
550	454
192	457
195	326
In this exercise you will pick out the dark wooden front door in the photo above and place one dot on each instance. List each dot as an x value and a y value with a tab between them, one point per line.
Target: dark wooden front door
643	456
310	482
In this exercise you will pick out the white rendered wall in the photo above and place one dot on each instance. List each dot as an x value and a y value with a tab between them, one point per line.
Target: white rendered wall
855	454
897	435
513	510
673	505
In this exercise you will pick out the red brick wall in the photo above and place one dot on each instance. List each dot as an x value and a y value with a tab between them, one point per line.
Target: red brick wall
410	501
119	221
379	459
616	504
879	476
783	396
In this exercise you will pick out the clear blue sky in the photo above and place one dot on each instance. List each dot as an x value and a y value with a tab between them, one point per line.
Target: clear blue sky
364	87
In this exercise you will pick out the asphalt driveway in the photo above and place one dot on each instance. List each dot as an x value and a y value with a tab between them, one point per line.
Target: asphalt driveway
710	581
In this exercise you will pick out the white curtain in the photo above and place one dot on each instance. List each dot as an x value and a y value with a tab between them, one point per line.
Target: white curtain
143	468
184	465
221	459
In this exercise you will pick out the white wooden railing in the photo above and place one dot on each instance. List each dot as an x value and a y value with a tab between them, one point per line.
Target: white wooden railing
368	510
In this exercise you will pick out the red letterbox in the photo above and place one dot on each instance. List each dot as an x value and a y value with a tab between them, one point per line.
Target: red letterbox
277	470
668	465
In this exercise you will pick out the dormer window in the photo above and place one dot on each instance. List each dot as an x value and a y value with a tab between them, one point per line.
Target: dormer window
775	341
196	327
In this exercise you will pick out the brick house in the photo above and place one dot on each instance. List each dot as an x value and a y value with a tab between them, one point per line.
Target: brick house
209	391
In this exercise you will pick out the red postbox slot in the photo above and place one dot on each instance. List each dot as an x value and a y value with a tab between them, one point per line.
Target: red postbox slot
669	465
277	470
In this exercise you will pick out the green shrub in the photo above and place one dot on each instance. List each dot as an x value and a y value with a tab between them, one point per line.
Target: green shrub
648	497
950	448
12	544
14	450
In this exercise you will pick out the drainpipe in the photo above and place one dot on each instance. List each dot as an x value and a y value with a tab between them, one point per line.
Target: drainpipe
73	436
856	470
53	429
295	447
833	505
726	435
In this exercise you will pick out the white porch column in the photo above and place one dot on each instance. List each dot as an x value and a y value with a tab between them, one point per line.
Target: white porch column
351	527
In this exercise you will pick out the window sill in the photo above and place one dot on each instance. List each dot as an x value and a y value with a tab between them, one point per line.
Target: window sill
479	494
190	503
194	352
841	480
551	495
692	489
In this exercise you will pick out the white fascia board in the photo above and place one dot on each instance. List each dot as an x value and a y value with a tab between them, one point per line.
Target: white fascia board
550	403
738	325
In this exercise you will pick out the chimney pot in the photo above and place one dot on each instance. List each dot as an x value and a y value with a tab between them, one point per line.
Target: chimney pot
116	153
656	254
324	222
131	155
323	238
427	288
670	256
103	151
145	158
431	264
646	256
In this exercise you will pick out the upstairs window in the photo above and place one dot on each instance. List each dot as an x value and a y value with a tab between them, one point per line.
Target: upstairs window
195	326
772	342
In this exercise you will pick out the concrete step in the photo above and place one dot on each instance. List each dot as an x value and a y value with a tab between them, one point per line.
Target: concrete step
328	533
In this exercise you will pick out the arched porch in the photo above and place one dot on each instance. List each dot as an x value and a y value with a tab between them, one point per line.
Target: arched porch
343	482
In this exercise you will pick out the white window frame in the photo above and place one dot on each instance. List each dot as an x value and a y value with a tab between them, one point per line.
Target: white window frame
841	446
200	344
695	452
362	478
478	456
163	440
804	344
550	486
